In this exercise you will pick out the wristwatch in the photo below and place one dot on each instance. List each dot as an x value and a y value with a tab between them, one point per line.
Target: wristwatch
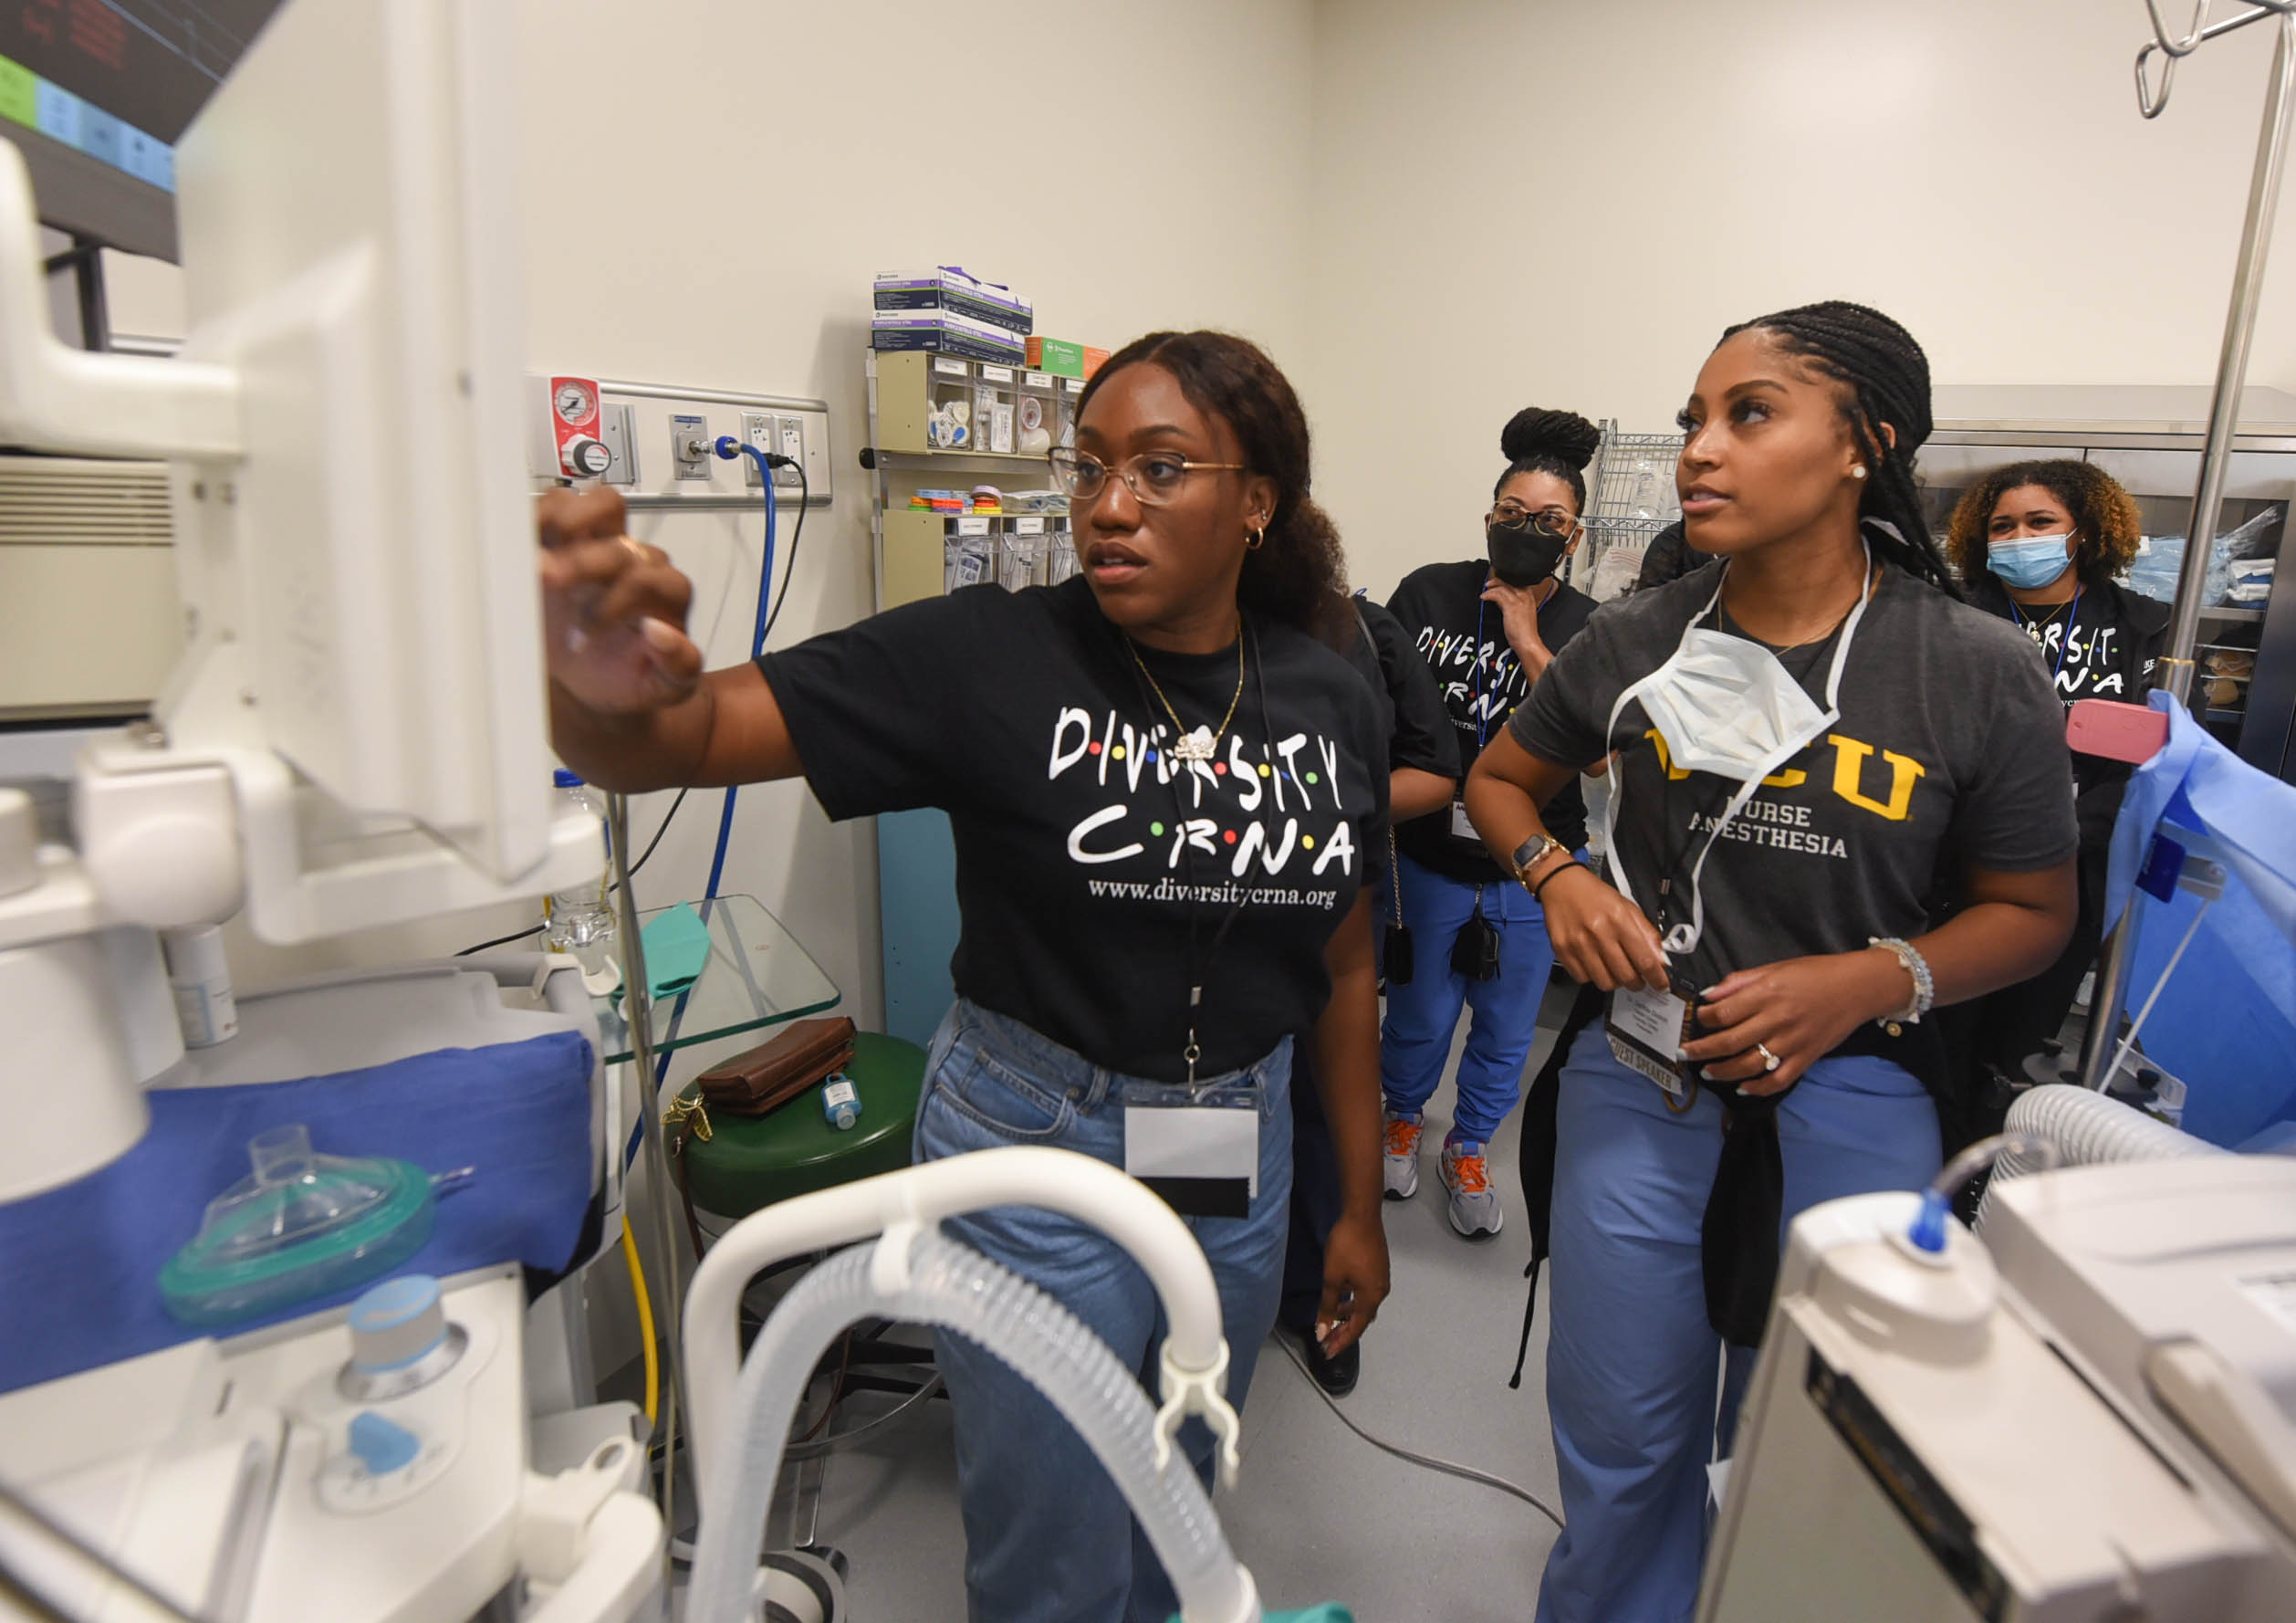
1533	849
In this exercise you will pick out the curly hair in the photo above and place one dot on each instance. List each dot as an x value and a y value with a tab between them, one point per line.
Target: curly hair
1885	381
1299	572
1536	441
2106	525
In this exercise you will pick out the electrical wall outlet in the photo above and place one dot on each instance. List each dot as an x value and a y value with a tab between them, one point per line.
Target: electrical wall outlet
789	437
756	429
689	446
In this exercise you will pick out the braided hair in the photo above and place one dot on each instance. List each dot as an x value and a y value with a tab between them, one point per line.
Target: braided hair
1540	442
1886	377
1298	573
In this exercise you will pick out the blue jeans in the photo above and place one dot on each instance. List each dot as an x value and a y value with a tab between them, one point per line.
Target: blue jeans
1632	1362
1414	1039
1047	1537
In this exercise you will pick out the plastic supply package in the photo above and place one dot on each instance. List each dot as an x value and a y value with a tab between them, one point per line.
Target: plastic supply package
966	559
300	1226
1020	562
2153	572
2240	565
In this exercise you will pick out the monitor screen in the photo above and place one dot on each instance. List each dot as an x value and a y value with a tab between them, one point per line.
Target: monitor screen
97	92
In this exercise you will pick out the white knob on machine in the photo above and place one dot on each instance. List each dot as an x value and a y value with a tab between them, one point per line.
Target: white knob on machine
584	457
396	1323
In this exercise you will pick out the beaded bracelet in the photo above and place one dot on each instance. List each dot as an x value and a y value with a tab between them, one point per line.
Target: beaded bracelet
1924	988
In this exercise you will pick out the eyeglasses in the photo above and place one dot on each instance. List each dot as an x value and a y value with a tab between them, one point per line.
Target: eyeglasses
1153	477
1553	521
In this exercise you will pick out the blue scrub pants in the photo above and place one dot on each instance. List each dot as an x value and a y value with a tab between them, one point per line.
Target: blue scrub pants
1414	1039
1047	1538
1632	1362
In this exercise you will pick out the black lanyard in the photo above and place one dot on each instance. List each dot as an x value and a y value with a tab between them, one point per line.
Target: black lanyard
1202	958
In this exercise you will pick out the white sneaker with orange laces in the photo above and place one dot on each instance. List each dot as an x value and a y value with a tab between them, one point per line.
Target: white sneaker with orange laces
1467	1176
1402	1166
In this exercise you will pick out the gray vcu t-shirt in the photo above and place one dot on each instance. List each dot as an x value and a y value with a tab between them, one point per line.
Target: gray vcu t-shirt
1949	754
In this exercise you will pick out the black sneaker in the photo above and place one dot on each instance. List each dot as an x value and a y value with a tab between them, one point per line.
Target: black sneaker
1338	1374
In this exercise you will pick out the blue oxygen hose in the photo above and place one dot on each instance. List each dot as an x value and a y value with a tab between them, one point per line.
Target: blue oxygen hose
728	449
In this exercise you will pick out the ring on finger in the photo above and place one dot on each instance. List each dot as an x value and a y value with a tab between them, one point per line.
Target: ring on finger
1770	1062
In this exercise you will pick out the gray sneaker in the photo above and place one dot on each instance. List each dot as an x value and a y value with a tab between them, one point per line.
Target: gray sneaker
1403	1156
1466	1177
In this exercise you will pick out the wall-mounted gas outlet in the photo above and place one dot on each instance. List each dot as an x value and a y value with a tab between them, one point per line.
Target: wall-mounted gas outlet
617	428
690	446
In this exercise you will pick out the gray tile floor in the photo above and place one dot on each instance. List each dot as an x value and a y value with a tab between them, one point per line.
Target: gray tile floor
1319	1514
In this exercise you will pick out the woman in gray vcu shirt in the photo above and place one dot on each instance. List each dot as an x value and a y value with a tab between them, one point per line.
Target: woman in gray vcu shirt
1805	738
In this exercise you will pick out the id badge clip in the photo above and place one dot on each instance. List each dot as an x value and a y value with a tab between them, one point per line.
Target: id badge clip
1197	1148
1461	827
1646	1030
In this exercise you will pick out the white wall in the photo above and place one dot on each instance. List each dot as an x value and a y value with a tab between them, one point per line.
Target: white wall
1564	204
711	185
755	165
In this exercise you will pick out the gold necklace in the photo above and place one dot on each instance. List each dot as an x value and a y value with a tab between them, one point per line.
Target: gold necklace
1203	744
1872	582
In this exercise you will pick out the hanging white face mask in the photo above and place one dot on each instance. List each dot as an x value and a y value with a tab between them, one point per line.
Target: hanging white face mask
1725	704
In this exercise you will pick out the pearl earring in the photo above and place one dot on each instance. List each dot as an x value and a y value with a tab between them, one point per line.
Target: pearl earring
1857	473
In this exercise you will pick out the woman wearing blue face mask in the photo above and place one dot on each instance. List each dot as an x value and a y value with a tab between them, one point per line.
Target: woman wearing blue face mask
2038	544
1796	758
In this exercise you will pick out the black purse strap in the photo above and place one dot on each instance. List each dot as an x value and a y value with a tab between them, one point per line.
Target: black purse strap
1395	877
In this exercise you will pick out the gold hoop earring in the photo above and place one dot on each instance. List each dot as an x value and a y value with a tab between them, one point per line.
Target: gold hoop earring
1253	541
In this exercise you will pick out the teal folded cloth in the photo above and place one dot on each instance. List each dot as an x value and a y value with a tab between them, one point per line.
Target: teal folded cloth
677	946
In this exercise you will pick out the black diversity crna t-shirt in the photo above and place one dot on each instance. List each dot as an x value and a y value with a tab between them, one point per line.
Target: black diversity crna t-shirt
1093	870
2103	644
1949	753
1418	728
1463	640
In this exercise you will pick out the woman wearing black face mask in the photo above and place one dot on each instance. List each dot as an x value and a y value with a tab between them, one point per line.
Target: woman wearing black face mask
1488	626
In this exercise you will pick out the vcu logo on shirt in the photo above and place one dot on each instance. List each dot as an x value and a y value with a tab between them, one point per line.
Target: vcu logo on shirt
1856	773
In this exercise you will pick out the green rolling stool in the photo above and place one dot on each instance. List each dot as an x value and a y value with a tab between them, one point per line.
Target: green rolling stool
749	1163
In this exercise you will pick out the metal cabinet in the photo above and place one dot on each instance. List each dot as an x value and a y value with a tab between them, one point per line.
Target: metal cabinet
2149	439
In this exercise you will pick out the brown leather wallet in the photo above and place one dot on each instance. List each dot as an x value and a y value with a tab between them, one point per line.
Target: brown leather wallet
768	1076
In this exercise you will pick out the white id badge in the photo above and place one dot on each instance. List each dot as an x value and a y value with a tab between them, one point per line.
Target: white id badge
1196	1147
1461	829
1646	1030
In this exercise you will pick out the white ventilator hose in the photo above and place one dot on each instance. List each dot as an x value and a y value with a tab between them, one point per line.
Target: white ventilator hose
917	1276
2087	1129
1092	1192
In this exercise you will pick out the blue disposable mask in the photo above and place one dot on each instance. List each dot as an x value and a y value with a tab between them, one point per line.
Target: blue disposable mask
2031	563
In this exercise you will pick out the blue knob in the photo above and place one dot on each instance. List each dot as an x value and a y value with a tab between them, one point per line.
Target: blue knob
1928	1232
382	1445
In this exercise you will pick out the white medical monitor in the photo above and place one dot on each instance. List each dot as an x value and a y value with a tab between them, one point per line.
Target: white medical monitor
362	575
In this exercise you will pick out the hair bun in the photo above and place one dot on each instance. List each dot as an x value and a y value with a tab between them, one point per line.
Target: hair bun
1566	436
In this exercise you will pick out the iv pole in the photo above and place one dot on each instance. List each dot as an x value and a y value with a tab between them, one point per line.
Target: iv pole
2176	668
